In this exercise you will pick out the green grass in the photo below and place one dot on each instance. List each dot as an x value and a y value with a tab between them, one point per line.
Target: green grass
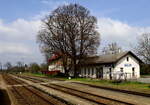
126	85
34	74
44	75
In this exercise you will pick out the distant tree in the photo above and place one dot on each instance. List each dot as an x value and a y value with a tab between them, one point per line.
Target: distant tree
8	65
20	66
1	66
44	66
34	67
71	31
112	48
142	48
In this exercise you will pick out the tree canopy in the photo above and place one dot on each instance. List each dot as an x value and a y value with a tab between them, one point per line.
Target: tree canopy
70	30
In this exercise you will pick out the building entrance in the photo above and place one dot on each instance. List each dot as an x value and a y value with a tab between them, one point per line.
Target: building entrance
99	72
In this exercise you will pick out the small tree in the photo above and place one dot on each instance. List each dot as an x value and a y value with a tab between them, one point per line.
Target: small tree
44	66
34	68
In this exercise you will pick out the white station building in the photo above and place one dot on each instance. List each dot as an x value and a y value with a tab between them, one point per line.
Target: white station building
124	65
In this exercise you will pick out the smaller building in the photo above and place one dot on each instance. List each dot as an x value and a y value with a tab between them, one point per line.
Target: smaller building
55	63
124	65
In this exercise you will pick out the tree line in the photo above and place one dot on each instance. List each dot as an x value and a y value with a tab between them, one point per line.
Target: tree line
21	67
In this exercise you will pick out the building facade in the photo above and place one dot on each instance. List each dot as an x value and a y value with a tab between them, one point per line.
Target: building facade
55	63
124	65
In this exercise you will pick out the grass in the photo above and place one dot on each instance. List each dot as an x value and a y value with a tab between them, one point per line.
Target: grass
34	74
126	85
44	75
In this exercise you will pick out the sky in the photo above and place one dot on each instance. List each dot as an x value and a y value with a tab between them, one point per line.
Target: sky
121	21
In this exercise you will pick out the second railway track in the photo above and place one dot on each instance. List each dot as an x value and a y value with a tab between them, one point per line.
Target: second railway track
88	96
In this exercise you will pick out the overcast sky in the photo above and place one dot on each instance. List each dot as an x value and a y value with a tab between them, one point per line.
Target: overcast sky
120	21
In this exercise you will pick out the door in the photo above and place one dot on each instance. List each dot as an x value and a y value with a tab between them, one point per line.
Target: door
99	72
110	73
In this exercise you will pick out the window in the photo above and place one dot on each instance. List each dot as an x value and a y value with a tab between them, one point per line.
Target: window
127	58
133	71
121	69
85	71
89	71
92	71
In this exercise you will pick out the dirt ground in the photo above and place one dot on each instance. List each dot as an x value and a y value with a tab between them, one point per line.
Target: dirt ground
4	97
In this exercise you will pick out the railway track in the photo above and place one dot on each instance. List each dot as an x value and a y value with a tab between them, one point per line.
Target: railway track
107	88
31	96
87	96
35	80
11	80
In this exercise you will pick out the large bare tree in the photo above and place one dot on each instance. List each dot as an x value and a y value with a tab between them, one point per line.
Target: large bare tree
112	48
143	47
71	31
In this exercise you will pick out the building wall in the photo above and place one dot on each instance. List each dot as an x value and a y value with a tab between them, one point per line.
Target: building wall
56	65
106	71
88	71
128	66
116	70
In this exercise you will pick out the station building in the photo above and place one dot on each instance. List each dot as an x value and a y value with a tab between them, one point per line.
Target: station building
124	65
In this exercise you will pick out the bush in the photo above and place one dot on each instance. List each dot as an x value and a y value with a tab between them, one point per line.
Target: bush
145	69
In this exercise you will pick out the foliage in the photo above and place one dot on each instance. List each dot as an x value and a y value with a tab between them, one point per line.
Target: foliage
34	68
44	66
145	69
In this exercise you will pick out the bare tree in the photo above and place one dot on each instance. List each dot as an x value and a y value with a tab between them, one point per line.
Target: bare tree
8	65
1	66
71	31
20	64
112	48
143	47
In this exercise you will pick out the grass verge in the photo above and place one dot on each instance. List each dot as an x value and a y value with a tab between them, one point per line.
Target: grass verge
125	85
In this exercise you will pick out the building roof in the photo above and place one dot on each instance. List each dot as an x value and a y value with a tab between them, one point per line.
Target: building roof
54	57
109	58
